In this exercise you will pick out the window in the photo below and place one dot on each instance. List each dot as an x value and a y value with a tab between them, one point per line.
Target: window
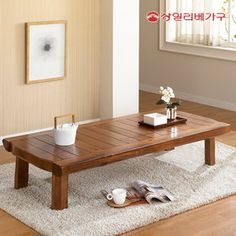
200	27
229	7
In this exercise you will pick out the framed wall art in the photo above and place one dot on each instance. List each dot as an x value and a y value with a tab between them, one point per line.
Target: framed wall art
45	51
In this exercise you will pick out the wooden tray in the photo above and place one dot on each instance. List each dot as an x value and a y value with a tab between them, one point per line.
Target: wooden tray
126	204
177	121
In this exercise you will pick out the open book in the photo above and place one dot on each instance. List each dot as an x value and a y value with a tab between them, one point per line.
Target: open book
152	192
141	192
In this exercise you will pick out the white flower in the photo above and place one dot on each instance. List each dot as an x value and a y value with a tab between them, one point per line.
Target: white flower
165	92
172	95
165	98
161	89
171	92
170	89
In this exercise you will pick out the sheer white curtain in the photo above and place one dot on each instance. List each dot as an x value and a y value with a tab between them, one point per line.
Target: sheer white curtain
207	32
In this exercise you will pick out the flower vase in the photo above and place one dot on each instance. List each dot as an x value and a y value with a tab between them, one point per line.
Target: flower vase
171	113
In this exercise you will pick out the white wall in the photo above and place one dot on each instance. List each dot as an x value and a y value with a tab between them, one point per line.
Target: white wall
119	57
125	57
204	80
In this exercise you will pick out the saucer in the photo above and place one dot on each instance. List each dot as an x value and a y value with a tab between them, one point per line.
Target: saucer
112	204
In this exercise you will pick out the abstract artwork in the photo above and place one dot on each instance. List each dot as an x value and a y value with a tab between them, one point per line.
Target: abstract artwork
45	51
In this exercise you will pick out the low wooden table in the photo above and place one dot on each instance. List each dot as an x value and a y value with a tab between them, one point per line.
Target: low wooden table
105	142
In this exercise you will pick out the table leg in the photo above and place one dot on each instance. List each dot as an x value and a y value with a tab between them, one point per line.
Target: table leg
59	192
210	151
21	173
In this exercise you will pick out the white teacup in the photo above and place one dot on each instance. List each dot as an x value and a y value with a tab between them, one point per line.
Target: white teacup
118	196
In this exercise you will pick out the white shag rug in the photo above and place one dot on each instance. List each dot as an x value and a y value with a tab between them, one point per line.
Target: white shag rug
182	171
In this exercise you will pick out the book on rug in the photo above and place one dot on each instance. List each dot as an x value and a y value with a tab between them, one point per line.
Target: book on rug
152	192
141	192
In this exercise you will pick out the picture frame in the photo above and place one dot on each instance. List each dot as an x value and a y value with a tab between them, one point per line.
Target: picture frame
45	51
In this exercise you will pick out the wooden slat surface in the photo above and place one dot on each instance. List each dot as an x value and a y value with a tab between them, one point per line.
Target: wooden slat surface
111	140
121	131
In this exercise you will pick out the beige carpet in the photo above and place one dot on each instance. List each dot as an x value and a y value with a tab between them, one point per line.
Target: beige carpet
182	171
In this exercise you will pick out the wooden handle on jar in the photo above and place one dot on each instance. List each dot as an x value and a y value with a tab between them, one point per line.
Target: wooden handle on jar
59	117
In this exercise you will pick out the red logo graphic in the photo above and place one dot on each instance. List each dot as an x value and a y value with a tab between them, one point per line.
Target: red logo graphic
152	16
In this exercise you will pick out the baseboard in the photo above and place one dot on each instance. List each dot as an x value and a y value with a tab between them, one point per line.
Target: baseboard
148	88
41	130
194	98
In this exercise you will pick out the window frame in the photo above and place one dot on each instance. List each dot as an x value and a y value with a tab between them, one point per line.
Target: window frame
223	53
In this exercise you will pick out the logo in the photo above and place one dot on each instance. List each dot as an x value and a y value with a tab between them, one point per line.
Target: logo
152	16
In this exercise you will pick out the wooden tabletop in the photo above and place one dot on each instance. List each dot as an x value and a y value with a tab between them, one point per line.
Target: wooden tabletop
111	140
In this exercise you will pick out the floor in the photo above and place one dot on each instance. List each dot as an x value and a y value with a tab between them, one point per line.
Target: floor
216	219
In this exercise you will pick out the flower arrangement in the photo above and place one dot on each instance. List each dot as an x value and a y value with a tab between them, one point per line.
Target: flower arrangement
167	96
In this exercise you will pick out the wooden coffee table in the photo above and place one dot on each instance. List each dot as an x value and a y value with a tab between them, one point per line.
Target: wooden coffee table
104	142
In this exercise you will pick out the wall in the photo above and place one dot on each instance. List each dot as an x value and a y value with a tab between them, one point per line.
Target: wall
119	57
126	57
106	58
206	80
29	107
